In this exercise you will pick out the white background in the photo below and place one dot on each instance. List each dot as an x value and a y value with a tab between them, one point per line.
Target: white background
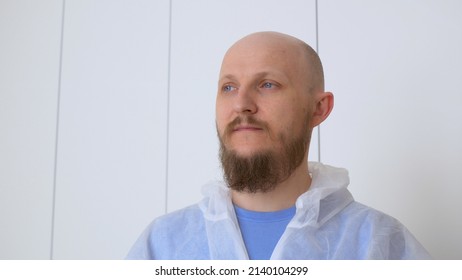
107	112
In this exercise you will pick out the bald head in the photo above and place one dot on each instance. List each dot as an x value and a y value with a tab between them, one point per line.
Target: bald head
296	57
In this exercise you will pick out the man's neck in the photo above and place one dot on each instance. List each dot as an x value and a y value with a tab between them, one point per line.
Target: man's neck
283	196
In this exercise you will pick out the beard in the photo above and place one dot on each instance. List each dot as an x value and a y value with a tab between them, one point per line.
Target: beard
263	170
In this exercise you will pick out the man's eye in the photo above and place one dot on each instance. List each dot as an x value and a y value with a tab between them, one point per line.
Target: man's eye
228	88
268	85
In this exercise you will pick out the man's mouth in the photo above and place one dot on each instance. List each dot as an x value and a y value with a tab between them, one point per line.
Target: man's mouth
246	127
247	124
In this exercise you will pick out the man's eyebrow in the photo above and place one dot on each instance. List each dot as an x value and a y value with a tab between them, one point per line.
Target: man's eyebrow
258	75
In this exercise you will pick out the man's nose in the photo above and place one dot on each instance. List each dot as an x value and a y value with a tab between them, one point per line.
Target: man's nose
245	102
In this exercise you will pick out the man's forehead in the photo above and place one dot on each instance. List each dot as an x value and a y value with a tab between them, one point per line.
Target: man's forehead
259	60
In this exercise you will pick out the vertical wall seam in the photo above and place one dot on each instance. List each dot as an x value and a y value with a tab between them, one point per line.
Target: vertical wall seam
58	107
167	146
317	50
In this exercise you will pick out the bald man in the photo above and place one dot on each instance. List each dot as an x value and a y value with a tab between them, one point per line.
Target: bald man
273	203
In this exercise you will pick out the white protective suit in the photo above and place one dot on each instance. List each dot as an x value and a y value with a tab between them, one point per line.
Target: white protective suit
328	224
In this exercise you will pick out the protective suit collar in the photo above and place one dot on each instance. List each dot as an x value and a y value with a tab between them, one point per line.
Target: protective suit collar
326	196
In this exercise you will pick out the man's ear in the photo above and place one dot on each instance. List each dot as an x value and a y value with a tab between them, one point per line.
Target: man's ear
324	103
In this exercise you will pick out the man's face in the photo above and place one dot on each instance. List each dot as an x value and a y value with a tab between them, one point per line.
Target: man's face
263	103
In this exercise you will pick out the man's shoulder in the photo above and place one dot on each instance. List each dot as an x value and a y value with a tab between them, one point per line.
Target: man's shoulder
172	229
176	235
365	220
360	212
184	216
374	234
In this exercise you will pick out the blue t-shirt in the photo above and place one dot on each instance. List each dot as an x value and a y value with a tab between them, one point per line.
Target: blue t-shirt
261	231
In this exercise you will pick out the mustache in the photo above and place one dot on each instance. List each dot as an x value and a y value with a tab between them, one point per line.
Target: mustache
246	120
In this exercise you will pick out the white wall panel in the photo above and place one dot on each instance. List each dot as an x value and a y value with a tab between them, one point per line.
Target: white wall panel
112	127
395	69
30	35
202	31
